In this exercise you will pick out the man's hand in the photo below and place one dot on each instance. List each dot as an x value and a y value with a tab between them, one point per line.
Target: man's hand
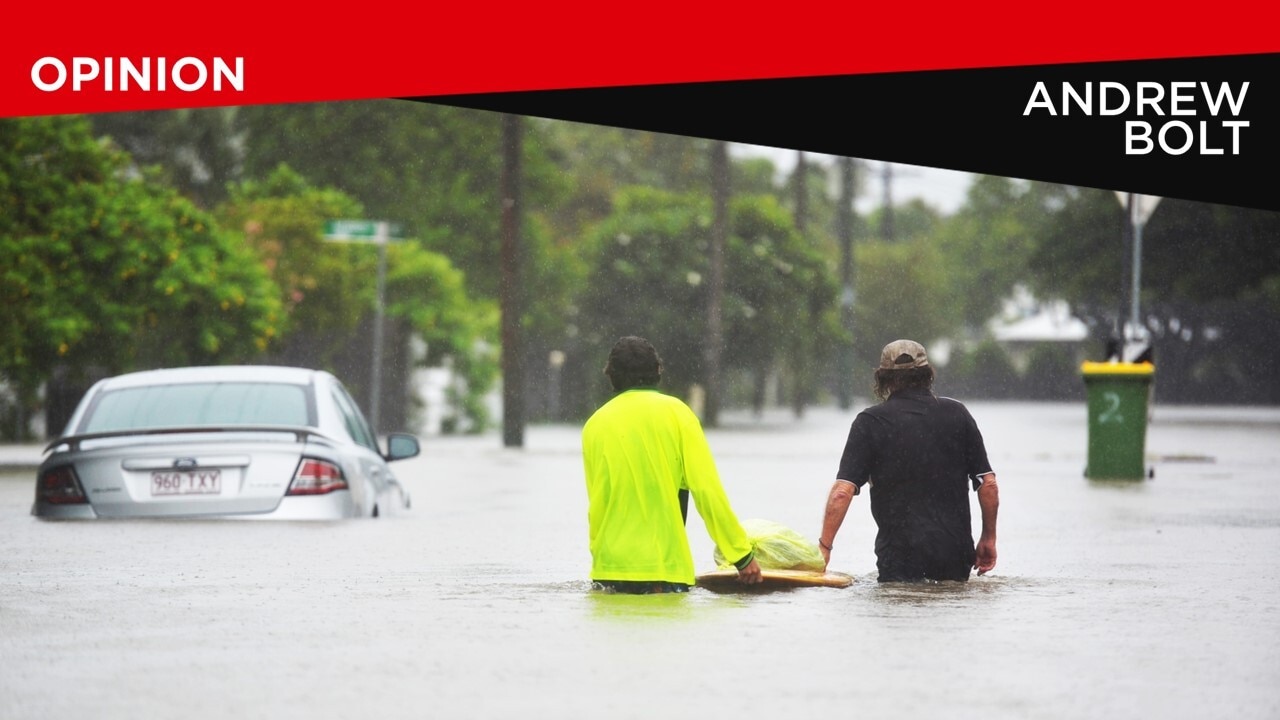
750	575
986	556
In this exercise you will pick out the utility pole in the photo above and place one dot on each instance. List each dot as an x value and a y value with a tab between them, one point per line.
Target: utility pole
375	402
844	230
512	290
800	385
886	212
1137	210
715	284
380	233
1126	270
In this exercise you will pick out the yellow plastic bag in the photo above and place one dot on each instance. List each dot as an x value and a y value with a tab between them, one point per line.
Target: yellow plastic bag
778	547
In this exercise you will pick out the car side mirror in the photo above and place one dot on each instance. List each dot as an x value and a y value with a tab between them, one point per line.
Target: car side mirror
401	446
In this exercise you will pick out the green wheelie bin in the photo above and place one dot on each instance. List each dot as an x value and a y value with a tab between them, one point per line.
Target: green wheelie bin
1119	401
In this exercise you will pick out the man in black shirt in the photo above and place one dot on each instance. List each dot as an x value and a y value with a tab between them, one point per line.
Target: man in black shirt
920	453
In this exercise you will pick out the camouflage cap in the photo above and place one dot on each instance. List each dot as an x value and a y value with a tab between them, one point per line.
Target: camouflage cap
903	355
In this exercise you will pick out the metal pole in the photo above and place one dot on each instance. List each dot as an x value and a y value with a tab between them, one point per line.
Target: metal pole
376	382
715	285
511	289
1137	277
1126	272
844	228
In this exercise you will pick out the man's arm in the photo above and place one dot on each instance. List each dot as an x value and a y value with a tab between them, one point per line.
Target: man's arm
709	497
838	500
989	501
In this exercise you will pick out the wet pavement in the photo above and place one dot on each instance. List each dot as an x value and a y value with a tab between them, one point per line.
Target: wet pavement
1157	598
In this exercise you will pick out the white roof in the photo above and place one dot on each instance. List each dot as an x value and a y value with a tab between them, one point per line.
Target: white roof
214	373
1044	326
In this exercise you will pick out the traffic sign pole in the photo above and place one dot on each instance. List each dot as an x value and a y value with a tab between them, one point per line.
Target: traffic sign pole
380	233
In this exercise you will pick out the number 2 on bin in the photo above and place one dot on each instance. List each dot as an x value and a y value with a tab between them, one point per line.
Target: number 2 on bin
1111	414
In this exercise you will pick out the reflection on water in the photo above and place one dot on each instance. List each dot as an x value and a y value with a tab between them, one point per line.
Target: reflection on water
939	594
1148	599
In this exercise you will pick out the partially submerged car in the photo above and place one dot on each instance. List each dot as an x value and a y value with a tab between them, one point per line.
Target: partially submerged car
252	441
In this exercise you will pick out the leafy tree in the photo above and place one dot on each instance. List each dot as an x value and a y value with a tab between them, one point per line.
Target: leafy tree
196	151
329	289
434	169
986	247
103	273
648	277
903	291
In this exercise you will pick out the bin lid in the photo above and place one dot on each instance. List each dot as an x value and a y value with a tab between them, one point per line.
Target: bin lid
1117	368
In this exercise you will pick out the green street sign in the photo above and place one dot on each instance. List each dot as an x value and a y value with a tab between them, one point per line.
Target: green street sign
362	230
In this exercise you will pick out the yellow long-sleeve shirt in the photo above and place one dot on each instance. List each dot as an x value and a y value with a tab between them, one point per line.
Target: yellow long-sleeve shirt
639	450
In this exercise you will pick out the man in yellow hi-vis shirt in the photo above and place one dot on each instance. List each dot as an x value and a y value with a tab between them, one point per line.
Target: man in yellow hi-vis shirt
642	451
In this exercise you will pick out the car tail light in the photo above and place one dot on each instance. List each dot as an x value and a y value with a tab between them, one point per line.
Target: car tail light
316	477
59	486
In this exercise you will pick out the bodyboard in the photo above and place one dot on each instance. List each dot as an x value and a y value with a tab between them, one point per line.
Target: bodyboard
727	580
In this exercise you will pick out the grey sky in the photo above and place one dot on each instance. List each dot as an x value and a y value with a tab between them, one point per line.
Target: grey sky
943	189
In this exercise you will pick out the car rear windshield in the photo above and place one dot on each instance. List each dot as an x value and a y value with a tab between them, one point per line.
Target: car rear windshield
198	405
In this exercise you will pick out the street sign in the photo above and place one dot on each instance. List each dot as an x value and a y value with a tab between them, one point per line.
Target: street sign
1143	206
374	231
1140	209
380	233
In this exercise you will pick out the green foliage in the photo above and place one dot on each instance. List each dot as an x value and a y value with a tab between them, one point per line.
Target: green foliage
435	169
984	371
903	290
194	151
1053	372
425	289
649	277
987	246
324	288
106	273
329	288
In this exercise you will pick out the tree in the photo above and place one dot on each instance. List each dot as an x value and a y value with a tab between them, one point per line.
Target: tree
103	273
986	247
649	265
435	169
328	290
197	151
904	292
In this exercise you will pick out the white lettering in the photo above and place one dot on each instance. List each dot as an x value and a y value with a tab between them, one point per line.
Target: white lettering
1103	107
43	63
1215	103
1085	103
1177	98
111	74
129	70
1235	126
1044	102
1185	128
202	74
83	69
1153	101
220	71
1204	141
1130	136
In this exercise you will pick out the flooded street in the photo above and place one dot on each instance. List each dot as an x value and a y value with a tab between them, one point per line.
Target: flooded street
1151	599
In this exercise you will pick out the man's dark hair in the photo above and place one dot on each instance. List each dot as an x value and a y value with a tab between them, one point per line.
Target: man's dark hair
633	362
889	382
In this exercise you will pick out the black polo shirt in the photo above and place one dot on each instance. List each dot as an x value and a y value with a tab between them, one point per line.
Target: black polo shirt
921	454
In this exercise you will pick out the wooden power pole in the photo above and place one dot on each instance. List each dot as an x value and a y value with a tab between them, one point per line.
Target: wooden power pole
512	289
715	284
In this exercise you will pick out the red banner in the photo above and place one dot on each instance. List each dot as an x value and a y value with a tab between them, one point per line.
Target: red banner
96	57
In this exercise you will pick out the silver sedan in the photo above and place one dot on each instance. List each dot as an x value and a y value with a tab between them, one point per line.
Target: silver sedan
221	441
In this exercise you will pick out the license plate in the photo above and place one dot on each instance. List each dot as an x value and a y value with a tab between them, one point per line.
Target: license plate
187	482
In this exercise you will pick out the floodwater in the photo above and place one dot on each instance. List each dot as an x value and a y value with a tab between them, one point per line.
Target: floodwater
1157	598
